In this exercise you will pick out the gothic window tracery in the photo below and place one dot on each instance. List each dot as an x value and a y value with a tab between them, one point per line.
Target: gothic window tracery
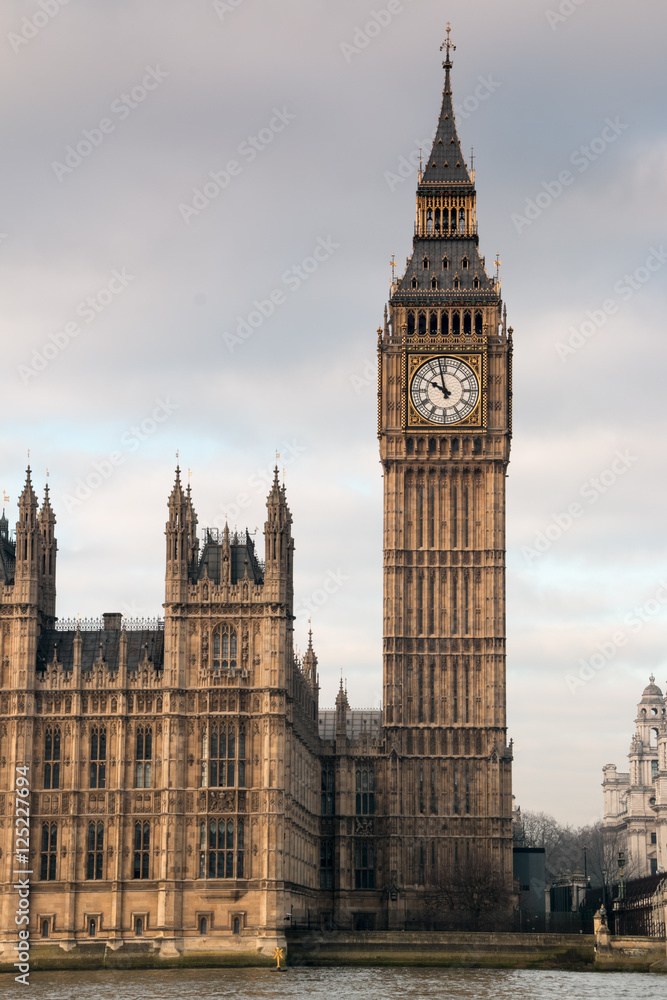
144	757
98	756
52	757
49	852
222	849
223	756
95	858
365	792
224	648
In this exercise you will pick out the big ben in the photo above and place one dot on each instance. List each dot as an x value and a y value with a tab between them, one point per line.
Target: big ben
444	412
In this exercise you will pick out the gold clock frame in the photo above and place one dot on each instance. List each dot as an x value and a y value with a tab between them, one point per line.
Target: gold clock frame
411	420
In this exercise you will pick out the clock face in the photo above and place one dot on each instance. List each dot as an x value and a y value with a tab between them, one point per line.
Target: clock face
444	390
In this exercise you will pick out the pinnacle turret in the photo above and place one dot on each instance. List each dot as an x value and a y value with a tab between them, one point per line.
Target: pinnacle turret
445	266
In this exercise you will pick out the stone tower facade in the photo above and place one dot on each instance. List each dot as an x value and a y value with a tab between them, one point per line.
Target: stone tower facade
635	801
444	427
187	795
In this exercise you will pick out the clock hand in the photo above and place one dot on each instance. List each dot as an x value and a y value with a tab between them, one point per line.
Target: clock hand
446	393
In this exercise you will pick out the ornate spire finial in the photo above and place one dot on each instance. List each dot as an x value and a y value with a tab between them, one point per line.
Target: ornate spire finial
498	262
652	679
448	44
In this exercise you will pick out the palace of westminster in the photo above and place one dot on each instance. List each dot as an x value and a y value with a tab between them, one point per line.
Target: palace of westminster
186	790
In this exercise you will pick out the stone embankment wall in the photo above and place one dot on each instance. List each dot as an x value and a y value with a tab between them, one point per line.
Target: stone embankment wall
474	950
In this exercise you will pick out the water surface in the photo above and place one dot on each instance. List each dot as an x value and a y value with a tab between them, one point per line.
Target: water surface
337	984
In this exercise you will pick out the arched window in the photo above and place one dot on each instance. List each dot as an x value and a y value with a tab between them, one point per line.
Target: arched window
236	926
414	282
434	283
224	648
364	865
144	758
422	324
467	323
139	927
225	754
425	263
203	925
49	852
365	792
142	846
45	928
222	849
444	324
475	283
98	757
95	859
466	263
445	263
479	327
411	323
429	220
52	757
456	324
327	791
457	284
653	738
433	322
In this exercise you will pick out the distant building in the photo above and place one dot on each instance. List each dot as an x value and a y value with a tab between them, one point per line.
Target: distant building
635	802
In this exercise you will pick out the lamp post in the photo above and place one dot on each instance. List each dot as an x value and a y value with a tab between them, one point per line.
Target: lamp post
621	865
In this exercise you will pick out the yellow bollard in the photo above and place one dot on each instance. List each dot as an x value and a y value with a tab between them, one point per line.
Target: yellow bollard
278	954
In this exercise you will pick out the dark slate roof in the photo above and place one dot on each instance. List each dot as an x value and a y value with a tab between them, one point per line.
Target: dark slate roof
242	557
139	644
445	172
455	250
446	164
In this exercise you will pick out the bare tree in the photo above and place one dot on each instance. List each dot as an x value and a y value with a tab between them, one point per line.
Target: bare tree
563	852
473	895
602	847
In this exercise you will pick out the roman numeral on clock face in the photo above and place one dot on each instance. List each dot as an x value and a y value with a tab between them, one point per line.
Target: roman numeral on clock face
444	390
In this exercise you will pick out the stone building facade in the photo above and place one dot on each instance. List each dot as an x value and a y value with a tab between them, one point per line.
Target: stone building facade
186	789
635	801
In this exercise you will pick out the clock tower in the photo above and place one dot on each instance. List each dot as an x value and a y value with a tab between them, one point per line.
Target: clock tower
444	411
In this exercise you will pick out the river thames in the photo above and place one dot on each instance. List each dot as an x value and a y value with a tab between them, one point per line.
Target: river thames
337	984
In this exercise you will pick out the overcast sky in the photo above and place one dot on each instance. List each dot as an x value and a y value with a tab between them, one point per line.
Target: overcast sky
129	272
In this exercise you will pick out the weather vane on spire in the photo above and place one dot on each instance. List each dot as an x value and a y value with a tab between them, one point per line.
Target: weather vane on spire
447	42
393	268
